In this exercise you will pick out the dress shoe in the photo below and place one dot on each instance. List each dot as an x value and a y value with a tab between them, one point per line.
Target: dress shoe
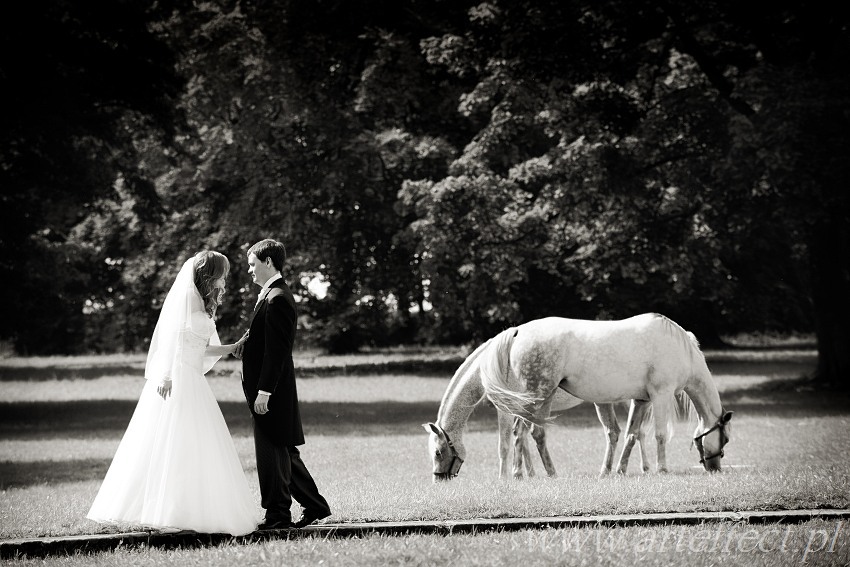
275	525
308	517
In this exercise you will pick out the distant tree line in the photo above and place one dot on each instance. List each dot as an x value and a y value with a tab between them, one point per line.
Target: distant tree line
439	171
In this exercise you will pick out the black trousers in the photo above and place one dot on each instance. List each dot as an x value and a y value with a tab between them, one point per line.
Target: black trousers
283	476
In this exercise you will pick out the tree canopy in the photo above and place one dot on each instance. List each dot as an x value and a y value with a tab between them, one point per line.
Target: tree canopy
438	170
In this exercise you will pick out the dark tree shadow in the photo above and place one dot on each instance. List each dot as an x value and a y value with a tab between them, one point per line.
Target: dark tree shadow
97	419
27	473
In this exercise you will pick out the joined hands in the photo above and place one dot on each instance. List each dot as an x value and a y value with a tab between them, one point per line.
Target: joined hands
240	346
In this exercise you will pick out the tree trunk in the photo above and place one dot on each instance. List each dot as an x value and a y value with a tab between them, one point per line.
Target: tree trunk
830	257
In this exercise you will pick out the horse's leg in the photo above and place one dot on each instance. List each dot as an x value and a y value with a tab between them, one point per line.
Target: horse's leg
520	430
526	458
538	432
661	406
642	418
634	433
608	418
505	432
522	452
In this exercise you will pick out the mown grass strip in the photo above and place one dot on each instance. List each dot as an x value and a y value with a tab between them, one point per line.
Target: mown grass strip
69	545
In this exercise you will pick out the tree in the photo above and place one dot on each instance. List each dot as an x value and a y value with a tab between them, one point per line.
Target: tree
790	93
629	128
83	82
447	168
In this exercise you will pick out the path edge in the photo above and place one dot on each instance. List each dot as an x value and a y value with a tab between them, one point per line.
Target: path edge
84	544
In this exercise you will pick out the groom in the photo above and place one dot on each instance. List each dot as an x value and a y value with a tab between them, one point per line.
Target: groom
268	380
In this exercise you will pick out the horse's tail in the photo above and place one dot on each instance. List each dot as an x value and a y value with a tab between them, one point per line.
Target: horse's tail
681	408
495	378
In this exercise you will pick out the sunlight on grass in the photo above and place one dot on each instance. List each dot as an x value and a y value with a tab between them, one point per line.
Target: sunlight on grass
367	451
229	389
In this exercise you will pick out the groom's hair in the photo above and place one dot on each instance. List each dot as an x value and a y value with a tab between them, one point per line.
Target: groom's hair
269	248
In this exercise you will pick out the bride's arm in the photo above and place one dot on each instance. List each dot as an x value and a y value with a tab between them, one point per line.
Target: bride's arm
223	350
219	350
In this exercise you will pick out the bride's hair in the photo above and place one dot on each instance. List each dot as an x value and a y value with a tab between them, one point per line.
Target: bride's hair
209	267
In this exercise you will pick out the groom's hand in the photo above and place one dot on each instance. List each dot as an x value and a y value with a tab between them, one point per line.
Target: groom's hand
261	404
240	345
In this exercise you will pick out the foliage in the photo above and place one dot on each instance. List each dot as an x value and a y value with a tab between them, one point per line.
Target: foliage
87	85
447	169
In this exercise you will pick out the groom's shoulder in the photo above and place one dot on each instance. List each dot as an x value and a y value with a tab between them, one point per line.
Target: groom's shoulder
280	291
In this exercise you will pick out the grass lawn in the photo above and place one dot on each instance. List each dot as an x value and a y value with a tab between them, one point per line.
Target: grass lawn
367	450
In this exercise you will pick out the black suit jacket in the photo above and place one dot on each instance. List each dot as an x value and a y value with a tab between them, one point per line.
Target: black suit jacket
267	365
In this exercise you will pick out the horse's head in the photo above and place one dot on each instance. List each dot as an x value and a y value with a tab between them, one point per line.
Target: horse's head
445	456
710	443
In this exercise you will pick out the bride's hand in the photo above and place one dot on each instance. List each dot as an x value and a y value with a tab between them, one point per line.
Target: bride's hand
239	345
164	389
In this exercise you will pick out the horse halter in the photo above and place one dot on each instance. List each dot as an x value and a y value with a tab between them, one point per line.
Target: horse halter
454	468
720	425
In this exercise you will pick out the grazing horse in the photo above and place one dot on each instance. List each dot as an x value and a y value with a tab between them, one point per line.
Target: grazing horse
646	357
595	355
465	391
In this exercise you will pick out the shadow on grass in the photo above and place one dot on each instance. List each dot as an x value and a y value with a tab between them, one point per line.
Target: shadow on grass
28	473
100	419
97	419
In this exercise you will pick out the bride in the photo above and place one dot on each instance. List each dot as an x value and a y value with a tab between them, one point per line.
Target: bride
176	467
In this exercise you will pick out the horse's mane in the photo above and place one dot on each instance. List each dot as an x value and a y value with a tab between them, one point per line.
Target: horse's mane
462	370
689	340
684	407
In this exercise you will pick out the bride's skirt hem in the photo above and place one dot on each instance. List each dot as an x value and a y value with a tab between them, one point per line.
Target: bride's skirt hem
166	529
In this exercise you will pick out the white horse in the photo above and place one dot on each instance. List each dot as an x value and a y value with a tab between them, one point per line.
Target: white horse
465	391
644	358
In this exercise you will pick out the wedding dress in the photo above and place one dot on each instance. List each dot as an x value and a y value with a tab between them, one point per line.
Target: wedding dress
176	466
